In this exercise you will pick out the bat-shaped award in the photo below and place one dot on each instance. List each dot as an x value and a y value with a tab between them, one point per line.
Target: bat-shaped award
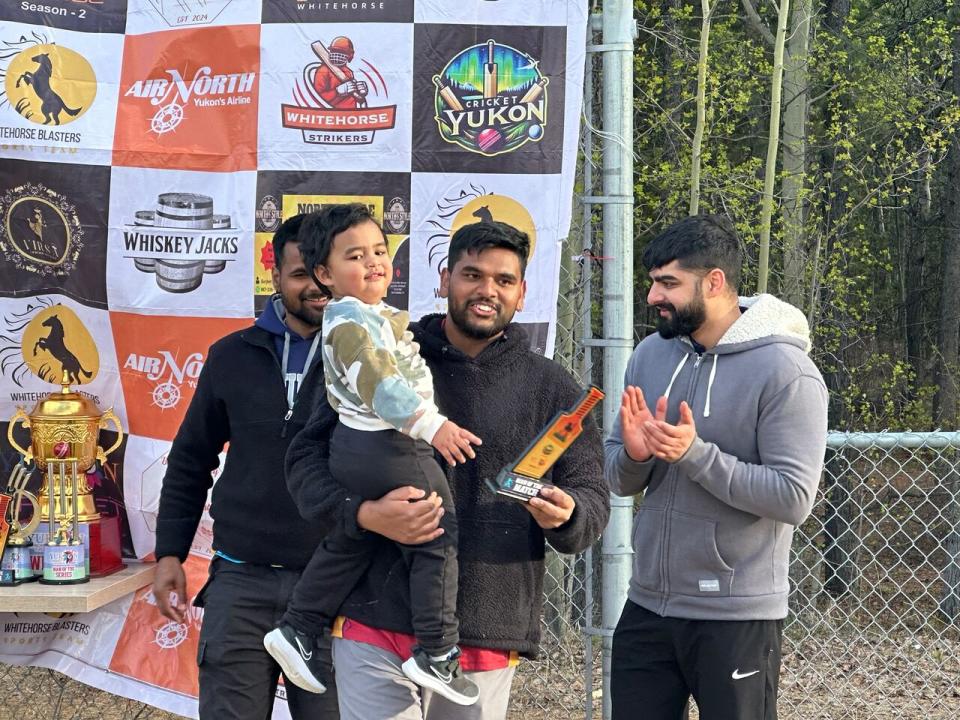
521	480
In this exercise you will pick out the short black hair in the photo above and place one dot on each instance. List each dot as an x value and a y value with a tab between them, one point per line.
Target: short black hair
286	233
698	243
321	227
480	236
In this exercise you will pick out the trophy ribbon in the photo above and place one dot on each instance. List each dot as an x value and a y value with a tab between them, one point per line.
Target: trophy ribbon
521	479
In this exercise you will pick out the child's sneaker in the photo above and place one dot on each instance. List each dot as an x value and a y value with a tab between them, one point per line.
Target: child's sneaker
442	676
298	656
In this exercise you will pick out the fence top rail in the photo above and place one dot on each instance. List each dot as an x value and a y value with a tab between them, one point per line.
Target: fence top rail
887	440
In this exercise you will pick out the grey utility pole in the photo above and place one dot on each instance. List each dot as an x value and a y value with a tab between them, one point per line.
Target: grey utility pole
617	200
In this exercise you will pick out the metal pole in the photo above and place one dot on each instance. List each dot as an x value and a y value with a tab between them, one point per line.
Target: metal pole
618	36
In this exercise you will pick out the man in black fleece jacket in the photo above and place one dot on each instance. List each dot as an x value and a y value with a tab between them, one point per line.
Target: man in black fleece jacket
248	395
487	380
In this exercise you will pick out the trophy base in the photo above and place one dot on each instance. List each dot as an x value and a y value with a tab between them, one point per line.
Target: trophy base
105	557
16	567
64	565
514	485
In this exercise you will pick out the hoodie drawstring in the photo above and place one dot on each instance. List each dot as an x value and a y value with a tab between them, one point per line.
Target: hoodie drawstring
674	376
713	374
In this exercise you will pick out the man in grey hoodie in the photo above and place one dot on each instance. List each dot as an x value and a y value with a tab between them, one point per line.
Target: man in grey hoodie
728	456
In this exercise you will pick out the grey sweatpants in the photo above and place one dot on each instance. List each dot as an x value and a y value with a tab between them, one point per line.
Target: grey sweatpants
371	686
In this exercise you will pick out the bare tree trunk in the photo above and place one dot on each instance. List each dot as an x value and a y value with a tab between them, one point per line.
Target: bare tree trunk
706	11
794	154
949	345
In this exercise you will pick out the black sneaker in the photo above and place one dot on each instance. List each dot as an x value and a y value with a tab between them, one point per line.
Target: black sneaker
442	676
298	655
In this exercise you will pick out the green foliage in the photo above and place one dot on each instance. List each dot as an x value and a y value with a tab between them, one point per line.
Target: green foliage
881	119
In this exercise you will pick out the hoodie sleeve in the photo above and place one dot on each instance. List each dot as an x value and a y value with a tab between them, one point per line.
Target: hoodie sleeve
372	373
579	473
623	474
791	438
193	456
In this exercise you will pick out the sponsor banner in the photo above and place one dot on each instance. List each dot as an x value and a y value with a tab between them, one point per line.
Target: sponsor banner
85	637
160	360
188	99
443	203
53	231
180	242
95	16
145	16
336	96
280	195
72	337
337	11
488	99
499	12
58	94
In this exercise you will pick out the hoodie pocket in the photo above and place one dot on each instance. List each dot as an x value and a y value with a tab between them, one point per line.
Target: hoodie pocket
648	548
694	563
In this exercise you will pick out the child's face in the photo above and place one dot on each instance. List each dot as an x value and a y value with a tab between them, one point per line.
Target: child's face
358	265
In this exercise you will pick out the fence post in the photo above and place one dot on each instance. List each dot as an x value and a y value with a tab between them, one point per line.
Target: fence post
617	201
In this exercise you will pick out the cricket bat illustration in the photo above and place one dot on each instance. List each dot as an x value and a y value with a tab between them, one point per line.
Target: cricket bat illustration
490	73
447	94
521	480
535	91
320	50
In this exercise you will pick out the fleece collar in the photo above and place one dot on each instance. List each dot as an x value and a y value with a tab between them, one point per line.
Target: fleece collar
765	320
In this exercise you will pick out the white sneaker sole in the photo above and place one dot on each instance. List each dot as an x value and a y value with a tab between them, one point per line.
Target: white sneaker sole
413	671
293	666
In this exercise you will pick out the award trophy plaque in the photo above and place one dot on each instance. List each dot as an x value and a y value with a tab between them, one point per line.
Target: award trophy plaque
64	427
17	566
521	479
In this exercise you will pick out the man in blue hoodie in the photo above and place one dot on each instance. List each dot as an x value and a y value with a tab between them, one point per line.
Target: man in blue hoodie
256	391
728	455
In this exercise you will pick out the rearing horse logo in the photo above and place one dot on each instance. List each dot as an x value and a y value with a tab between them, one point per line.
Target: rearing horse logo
49	84
51	104
55	344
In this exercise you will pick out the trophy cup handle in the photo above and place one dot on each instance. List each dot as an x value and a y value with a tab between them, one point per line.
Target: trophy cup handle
35	517
24	419
109	417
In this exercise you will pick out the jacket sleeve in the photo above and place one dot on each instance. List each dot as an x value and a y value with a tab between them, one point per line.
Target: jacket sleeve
192	458
317	495
791	438
624	475
579	473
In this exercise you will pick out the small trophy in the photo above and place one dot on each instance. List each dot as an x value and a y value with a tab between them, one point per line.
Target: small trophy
17	565
521	480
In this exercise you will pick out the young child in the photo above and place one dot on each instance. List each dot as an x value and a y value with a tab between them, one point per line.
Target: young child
383	393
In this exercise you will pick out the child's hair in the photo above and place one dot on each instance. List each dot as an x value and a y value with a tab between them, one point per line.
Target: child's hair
321	227
479	236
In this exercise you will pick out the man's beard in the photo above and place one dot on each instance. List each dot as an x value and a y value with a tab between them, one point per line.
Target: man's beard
682	322
313	318
460	318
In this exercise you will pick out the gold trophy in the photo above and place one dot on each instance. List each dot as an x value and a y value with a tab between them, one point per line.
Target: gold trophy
64	428
17	566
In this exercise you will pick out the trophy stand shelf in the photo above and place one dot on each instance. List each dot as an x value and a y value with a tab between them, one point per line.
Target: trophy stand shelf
34	597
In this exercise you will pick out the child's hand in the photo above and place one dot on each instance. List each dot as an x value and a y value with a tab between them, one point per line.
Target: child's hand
453	442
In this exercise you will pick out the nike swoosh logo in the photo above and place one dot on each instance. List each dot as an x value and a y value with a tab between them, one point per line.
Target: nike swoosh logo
306	655
737	675
445	677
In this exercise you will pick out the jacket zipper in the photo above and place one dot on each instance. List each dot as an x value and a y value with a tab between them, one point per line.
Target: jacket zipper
283	384
672	477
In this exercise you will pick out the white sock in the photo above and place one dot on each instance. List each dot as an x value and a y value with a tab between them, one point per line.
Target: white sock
441	658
